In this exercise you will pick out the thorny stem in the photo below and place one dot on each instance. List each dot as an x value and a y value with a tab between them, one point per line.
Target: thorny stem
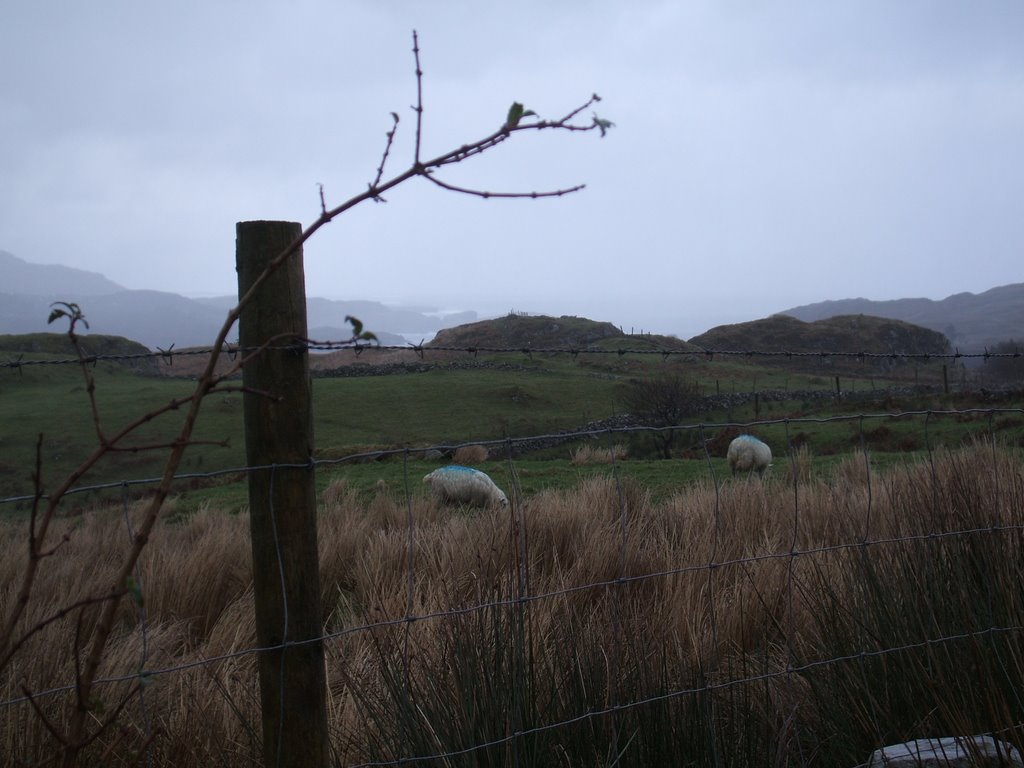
78	733
90	381
384	157
419	97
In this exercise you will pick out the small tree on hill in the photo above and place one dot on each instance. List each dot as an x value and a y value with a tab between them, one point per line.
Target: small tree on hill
662	401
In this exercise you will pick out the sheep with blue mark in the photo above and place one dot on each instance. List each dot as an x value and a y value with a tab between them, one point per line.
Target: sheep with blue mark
748	454
465	485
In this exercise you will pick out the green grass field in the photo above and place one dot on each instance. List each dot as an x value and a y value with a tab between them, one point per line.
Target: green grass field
529	395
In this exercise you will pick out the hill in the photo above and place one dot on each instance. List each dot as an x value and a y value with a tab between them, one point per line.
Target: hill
516	331
843	333
57	345
970	321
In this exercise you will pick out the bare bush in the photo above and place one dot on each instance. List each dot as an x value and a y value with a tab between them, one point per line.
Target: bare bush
662	401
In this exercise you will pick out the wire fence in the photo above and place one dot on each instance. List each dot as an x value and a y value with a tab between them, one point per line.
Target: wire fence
231	351
748	606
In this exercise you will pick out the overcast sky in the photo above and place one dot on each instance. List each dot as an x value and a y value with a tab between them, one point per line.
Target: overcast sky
765	155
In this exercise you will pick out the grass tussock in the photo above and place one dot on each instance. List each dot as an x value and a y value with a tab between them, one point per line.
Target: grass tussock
468	455
785	622
588	454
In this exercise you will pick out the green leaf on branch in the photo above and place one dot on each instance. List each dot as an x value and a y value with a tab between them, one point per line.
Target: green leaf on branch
516	113
356	323
358	333
69	310
603	125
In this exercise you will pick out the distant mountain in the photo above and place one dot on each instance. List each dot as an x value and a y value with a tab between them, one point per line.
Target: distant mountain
970	321
21	278
159	319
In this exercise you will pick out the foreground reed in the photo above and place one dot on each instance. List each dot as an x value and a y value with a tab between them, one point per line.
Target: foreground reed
799	621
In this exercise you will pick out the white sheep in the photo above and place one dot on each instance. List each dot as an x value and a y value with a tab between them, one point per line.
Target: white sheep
747	454
464	485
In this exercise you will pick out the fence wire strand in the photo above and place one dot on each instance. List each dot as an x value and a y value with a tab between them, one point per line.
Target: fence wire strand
421	350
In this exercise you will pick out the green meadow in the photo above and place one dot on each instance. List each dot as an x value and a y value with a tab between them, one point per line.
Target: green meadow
495	398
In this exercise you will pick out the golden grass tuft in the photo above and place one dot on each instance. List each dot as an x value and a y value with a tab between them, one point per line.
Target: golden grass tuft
467	455
588	454
798	465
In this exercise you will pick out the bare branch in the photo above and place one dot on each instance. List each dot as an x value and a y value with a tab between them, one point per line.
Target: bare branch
419	97
485	195
162	446
384	157
75	316
47	723
57	616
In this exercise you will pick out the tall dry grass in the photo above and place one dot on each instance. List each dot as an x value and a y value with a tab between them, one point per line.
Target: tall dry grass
588	454
762	623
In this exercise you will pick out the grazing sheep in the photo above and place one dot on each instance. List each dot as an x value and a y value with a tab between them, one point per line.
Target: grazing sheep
464	485
747	454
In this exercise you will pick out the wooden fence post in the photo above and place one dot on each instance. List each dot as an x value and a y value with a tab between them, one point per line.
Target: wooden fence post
282	501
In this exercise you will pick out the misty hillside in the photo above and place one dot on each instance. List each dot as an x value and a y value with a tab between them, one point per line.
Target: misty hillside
159	319
970	321
18	277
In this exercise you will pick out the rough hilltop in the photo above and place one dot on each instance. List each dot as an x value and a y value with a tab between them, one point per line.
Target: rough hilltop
536	331
844	333
515	331
970	321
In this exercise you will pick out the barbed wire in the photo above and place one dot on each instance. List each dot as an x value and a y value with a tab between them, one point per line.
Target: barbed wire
421	350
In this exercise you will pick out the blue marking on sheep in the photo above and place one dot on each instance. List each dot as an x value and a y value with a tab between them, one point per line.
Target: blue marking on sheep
465	485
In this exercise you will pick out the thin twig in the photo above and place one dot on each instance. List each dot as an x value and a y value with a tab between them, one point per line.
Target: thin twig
485	195
47	723
419	97
57	616
384	157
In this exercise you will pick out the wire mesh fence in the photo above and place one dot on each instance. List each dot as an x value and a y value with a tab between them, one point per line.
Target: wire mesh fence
803	618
